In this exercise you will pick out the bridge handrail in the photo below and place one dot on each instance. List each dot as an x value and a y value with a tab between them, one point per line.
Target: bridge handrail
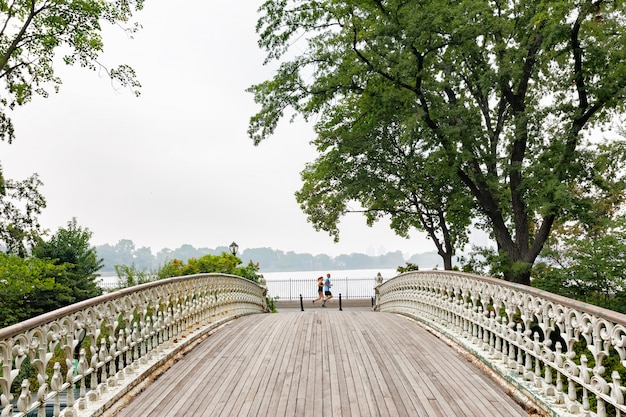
127	329
525	334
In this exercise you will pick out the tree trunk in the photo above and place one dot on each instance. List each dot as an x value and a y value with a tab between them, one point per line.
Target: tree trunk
447	260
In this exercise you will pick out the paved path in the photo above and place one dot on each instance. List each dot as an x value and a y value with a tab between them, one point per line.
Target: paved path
319	363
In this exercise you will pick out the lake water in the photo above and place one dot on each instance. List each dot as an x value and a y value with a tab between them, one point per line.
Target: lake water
350	283
334	274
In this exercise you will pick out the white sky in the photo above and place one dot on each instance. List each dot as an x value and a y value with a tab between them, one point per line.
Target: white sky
175	166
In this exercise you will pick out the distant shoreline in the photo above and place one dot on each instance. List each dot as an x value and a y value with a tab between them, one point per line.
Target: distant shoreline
334	273
364	273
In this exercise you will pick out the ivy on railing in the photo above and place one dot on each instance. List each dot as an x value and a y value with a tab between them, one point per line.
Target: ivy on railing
73	357
569	357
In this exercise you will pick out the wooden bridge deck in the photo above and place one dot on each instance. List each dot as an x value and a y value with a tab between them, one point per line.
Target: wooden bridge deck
319	363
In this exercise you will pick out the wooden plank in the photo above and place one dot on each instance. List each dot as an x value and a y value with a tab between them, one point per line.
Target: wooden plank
323	363
324	376
213	374
371	372
216	387
401	356
343	351
300	369
292	371
231	402
393	377
264	361
333	380
411	361
365	388
426	365
306	400
169	389
275	357
447	381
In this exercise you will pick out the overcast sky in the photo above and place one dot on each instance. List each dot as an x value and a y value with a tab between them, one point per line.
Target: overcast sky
175	166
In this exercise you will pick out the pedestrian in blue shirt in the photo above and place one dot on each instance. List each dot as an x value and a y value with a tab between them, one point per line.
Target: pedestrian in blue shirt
328	295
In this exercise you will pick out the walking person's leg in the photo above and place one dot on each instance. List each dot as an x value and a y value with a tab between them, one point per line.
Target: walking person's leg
328	296
327	293
320	289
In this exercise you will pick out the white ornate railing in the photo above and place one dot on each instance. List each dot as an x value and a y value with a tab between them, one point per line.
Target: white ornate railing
556	350
84	357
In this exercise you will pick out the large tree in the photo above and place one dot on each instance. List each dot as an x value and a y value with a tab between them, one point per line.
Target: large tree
33	32
69	247
373	157
508	91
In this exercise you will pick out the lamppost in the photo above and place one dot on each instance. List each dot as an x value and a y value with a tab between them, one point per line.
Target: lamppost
233	248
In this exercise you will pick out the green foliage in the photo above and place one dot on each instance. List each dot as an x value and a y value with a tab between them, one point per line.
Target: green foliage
477	262
581	260
224	264
271	303
610	363
496	98
28	288
249	271
70	248
124	252
34	32
129	275
20	204
173	268
587	267
62	271
408	267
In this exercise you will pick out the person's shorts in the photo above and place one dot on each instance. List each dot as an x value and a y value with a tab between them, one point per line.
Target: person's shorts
327	293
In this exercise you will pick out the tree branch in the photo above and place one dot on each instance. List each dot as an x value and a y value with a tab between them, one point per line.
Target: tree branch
18	38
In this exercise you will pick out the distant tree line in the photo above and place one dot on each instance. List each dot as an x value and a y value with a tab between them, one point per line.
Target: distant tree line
270	260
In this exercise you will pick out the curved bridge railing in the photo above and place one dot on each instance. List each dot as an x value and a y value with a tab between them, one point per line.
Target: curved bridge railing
81	359
556	350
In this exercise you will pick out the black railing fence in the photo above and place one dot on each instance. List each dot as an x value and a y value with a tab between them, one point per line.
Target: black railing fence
292	288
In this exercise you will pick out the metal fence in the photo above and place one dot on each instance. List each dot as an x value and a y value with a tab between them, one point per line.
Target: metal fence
293	288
